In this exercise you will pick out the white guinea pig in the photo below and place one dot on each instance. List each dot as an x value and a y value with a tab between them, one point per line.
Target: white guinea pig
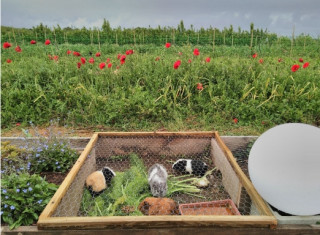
157	178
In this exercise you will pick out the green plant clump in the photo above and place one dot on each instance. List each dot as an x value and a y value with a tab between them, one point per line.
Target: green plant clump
127	190
23	197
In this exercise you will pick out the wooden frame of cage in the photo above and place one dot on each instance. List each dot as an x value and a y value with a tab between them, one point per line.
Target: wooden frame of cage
46	221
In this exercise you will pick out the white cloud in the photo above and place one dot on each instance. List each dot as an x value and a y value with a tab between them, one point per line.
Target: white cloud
281	18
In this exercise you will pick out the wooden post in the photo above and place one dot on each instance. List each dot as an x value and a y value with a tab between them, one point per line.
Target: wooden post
304	44
116	39
224	38
142	37
251	41
14	36
232	40
213	39
292	40
55	38
91	37
134	38
99	40
198	38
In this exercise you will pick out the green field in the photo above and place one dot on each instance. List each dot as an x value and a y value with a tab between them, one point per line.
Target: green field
147	93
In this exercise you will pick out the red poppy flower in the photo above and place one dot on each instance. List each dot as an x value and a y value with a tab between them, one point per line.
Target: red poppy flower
208	59
47	42
196	52
129	52
18	124
79	65
83	60
189	61
18	49
33	42
56	58
102	65
122	59
91	60
6	45
168	44
158	58
301	60
98	54
295	67
261	61
254	55
235	120
9	61
68	52
177	64
109	65
199	86
75	53
119	55
279	60
305	65
108	60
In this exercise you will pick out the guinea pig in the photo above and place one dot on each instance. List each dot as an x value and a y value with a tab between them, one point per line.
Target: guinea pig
157	178
196	167
98	181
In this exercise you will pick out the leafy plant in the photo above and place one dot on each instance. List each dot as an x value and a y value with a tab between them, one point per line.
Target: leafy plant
52	155
23	197
13	159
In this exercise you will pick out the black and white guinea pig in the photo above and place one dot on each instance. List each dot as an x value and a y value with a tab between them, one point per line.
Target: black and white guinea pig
157	178
196	167
98	181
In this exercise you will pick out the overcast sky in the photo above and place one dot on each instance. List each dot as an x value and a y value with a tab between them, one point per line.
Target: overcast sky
278	16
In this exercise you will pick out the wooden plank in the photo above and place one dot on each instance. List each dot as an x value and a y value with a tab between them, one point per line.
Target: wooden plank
230	179
143	134
280	230
261	205
55	200
153	221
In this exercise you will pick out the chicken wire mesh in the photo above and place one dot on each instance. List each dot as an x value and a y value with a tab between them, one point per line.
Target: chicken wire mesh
130	191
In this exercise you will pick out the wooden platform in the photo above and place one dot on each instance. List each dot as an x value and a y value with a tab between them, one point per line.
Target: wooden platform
281	229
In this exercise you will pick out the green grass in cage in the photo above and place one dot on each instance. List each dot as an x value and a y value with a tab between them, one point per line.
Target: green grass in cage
129	188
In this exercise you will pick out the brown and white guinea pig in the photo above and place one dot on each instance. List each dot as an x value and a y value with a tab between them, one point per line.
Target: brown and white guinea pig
98	181
196	167
157	178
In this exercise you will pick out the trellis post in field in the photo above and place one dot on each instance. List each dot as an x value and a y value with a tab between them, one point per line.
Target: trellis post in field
14	36
99	40
198	37
134	38
213	39
251	41
65	37
116	39
37	38
55	38
304	44
91	37
173	36
232	39
224	38
292	40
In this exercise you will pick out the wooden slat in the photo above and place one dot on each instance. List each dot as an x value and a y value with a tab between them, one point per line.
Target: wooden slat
261	205
154	221
55	200
160	133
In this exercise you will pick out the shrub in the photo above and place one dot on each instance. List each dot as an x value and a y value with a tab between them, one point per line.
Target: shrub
23	197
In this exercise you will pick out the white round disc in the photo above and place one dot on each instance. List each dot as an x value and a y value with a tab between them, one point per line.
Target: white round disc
284	167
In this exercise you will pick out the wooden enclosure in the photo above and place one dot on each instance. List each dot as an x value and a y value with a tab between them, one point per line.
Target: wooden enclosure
62	210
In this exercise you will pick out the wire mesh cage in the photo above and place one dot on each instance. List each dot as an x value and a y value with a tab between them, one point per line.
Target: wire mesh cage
157	179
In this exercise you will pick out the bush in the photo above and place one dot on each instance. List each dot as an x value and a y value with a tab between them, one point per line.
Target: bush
23	197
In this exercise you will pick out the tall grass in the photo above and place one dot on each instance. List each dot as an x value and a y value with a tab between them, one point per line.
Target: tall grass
145	93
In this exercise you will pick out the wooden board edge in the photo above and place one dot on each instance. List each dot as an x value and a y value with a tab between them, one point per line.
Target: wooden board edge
157	133
55	200
155	221
260	203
